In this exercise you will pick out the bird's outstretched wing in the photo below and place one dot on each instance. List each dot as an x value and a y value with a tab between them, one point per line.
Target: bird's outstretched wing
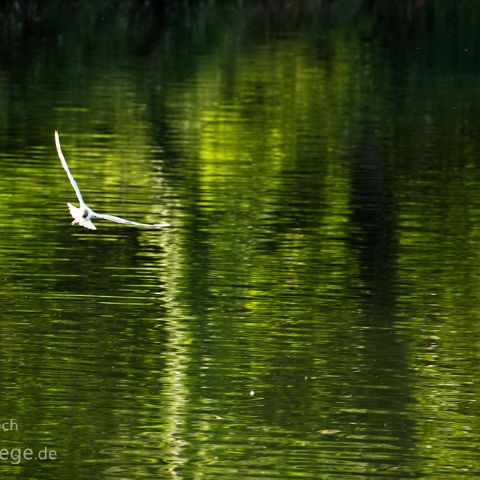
65	166
112	218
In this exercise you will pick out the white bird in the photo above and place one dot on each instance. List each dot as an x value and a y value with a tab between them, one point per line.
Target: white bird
83	215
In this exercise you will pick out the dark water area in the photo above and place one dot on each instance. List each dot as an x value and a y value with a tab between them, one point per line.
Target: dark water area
313	312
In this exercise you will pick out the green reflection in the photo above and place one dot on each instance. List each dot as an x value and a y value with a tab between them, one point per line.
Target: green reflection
313	312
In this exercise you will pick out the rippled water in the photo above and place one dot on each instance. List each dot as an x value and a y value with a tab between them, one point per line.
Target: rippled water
313	310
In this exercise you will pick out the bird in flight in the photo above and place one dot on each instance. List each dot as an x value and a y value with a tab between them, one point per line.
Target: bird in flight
84	215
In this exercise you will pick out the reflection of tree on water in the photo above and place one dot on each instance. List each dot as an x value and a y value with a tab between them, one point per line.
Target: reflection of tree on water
373	217
374	241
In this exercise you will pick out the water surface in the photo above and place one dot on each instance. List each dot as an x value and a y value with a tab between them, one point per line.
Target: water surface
312	313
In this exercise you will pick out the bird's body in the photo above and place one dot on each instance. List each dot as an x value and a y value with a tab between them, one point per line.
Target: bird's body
83	215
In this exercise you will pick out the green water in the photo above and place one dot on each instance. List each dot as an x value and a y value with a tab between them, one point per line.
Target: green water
313	312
